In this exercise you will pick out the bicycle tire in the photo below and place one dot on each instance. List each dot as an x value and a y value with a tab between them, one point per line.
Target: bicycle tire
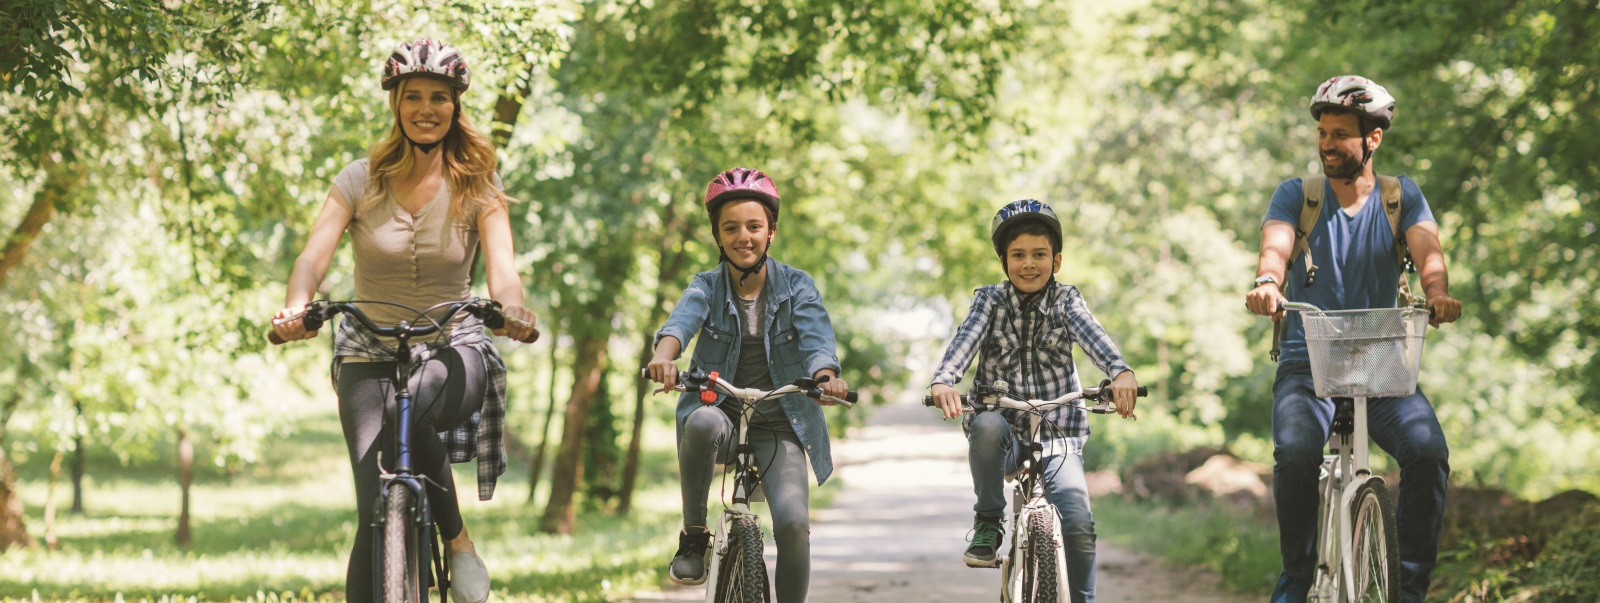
1375	544
1043	565
402	574
742	574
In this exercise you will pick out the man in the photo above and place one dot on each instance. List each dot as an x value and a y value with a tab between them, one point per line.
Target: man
1354	244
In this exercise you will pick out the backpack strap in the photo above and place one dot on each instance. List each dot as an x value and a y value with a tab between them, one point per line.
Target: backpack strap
1389	193
1310	210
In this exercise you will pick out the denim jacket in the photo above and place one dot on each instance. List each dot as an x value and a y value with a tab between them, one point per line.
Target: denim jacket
799	343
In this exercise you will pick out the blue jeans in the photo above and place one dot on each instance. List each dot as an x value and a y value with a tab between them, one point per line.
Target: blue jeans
1405	427
994	450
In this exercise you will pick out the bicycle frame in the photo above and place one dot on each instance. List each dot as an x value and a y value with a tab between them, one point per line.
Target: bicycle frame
1344	470
745	476
1027	492
421	515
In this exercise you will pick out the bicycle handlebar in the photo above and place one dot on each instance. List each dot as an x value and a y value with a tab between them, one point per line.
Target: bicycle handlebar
712	382
973	403
319	311
1305	307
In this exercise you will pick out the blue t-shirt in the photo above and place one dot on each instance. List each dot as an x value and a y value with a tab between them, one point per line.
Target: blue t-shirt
1354	255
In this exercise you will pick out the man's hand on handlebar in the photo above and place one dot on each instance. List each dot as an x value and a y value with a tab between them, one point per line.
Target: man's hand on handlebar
1265	300
1444	309
1125	393
947	399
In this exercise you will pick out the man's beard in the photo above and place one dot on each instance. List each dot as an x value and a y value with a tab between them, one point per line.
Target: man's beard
1341	166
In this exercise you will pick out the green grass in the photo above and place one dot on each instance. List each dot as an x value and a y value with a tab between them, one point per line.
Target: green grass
281	530
1241	548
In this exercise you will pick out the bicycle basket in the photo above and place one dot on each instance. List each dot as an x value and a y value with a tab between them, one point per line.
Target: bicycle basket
1365	353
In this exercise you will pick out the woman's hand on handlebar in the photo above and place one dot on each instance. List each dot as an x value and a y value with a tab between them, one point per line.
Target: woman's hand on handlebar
1125	393
519	323
663	371
834	386
288	325
947	399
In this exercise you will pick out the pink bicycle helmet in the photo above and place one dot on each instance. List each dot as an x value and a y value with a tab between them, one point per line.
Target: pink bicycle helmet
742	183
428	58
1356	94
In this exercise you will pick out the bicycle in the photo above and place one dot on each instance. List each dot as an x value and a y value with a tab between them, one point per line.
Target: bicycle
737	572
1036	535
402	502
1357	354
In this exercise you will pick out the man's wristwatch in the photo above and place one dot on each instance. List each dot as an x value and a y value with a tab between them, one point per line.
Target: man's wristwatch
1262	280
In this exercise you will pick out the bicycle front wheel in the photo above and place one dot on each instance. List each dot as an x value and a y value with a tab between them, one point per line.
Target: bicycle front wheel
1041	581
1375	548
742	573
402	574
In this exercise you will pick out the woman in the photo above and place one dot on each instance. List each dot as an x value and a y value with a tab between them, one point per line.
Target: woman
418	208
762	325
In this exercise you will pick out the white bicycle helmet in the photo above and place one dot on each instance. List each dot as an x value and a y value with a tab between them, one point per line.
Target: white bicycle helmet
429	58
1355	93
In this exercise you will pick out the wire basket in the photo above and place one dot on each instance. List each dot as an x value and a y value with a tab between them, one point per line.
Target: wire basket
1365	353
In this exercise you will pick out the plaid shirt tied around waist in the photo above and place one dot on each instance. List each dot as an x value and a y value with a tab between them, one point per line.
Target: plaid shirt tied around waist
482	435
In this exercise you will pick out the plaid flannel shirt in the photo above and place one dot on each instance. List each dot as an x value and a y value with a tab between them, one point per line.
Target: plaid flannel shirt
1029	346
482	435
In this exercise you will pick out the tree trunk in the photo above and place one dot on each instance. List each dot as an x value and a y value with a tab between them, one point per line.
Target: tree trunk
560	515
13	527
77	461
671	266
184	537
60	178
544	432
508	106
50	540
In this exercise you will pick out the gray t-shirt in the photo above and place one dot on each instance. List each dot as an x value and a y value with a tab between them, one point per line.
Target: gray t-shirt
753	371
416	259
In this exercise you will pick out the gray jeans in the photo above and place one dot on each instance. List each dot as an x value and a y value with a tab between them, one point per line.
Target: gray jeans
993	451
709	438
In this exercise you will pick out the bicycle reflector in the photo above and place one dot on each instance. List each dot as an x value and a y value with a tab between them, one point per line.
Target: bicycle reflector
706	395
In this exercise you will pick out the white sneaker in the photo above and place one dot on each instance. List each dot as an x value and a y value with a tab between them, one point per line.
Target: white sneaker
469	578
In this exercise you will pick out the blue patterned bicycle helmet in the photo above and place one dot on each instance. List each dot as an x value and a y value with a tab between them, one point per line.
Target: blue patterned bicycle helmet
1017	212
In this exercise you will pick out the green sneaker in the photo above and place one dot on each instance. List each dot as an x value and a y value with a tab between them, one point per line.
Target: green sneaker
985	537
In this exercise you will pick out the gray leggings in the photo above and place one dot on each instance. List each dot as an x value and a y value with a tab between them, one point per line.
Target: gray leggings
445	392
709	438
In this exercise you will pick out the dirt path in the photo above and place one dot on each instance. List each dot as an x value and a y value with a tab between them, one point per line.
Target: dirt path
896	530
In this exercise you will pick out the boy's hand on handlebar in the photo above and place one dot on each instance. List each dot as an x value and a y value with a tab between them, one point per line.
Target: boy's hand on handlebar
519	323
1125	393
833	386
947	399
1265	300
288	325
1444	308
663	371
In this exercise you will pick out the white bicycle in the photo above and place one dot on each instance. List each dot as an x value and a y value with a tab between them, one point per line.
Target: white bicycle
1357	354
1035	569
737	573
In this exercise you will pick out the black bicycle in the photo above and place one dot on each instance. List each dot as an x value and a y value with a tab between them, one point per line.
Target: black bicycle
402	519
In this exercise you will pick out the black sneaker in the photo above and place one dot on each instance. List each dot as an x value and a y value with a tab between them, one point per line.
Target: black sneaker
985	537
689	563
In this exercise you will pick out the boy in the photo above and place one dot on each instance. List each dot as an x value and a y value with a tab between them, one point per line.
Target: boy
1025	328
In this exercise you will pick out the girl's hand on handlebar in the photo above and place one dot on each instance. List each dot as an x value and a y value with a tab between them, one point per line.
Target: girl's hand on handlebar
288	326
834	386
1125	393
519	323
663	371
947	399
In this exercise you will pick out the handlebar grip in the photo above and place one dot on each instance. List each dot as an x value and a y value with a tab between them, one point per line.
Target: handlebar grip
927	401
1143	391
644	372
851	397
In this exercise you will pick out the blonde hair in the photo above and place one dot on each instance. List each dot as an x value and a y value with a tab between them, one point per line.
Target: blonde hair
469	162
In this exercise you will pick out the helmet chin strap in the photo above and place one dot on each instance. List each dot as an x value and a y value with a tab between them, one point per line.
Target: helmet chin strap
1366	155
426	148
744	273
